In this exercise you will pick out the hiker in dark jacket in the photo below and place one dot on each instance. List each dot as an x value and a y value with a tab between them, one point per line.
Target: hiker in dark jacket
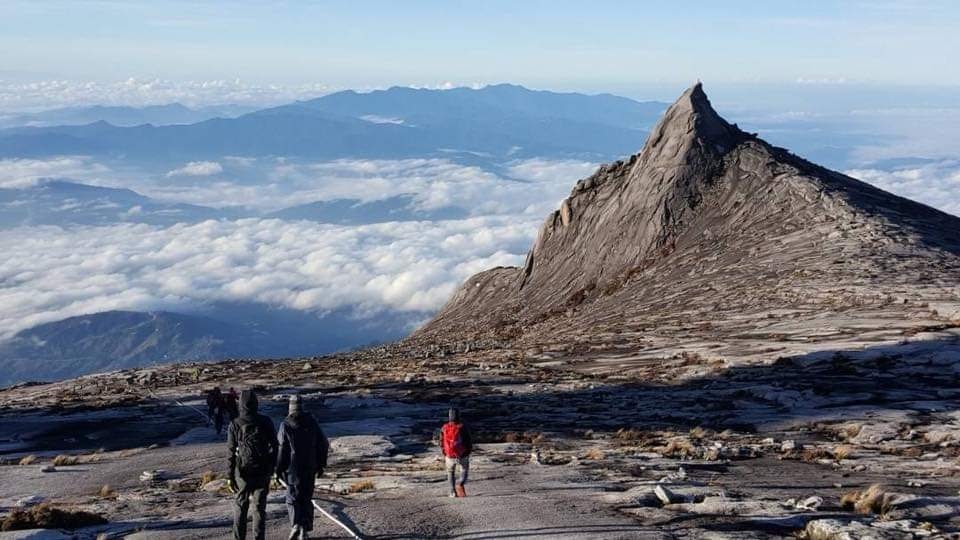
215	409
230	404
456	445
302	458
252	442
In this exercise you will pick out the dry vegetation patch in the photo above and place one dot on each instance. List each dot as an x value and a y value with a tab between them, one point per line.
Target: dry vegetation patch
45	516
873	500
63	460
361	486
107	492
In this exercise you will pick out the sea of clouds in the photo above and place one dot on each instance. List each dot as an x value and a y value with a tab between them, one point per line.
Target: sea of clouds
53	272
49	273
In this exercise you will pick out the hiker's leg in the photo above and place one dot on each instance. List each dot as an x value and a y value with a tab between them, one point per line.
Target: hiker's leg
464	470
306	502
241	504
292	508
260	510
451	465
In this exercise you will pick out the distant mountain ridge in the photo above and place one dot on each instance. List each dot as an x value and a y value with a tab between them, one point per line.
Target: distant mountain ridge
500	121
117	339
113	340
158	115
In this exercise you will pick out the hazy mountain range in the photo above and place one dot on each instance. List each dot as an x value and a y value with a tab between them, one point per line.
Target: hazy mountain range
158	115
501	121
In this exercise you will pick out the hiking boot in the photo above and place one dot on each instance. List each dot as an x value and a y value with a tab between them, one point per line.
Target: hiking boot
460	491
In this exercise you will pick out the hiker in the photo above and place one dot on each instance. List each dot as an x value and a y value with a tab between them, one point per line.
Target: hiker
252	443
230	403
302	458
215	408
456	445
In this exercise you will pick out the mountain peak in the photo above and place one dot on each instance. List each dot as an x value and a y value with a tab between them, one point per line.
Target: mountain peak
692	122
705	216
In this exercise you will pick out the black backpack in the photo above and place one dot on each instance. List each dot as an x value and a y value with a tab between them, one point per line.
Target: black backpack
253	450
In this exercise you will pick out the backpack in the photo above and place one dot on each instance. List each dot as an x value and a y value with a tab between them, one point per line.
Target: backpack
253	450
452	440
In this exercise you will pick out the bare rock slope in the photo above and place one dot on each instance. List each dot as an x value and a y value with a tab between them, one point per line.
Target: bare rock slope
711	236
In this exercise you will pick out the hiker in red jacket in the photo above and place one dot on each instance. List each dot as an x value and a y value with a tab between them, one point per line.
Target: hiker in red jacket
456	445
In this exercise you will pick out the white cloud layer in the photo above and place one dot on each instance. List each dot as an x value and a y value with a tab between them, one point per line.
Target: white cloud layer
48	273
197	168
48	94
936	184
20	173
523	187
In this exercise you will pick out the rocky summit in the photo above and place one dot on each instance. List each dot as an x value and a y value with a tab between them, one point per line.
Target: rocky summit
718	243
711	339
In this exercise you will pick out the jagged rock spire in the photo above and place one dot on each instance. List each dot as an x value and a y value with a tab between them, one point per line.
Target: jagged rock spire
691	121
702	206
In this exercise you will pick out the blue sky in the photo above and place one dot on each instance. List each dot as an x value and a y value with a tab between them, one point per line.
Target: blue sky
596	45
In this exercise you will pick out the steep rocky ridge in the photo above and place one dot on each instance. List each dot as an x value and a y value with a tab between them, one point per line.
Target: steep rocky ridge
710	226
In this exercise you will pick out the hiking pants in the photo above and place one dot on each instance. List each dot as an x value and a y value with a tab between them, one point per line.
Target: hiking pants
300	502
246	489
452	464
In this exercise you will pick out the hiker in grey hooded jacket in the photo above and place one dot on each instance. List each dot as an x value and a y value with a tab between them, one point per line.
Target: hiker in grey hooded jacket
302	458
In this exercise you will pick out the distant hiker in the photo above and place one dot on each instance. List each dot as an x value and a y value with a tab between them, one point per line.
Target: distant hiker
230	402
252	442
302	458
215	409
456	445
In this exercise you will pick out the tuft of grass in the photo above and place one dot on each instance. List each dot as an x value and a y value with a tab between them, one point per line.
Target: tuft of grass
875	500
361	486
700	432
28	460
842	452
815	453
44	516
207	477
64	460
631	434
595	454
849	500
679	448
107	492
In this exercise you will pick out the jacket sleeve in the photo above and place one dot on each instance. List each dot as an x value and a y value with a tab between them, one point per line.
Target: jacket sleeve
231	451
323	450
283	454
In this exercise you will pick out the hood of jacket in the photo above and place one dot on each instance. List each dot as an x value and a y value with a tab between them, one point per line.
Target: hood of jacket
248	403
